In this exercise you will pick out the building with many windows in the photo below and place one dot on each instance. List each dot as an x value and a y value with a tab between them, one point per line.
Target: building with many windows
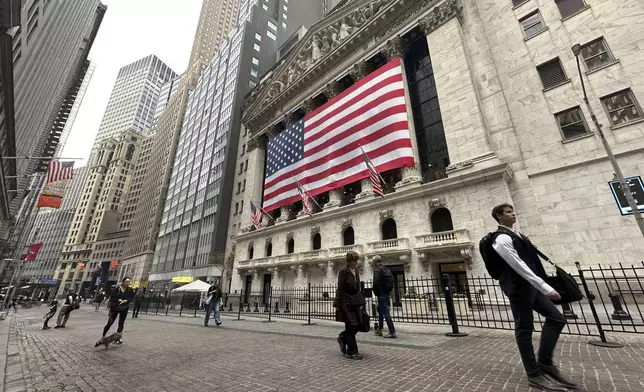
495	114
192	237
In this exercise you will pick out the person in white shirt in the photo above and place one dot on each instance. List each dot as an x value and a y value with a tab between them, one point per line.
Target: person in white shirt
523	282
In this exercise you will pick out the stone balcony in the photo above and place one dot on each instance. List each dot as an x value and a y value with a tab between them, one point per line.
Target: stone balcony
453	245
340	252
391	251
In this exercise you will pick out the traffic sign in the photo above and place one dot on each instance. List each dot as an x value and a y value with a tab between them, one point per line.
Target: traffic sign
636	187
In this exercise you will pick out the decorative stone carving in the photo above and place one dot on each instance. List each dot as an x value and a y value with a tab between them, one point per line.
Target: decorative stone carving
347	223
358	71
269	240
294	268
277	272
386	214
315	230
288	118
331	90
336	266
308	105
411	175
395	47
467	255
440	15
437	203
252	144
460	166
289	236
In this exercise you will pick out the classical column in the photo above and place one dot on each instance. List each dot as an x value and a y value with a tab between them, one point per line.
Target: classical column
276	277
335	199
255	154
367	191
358	71
284	214
411	176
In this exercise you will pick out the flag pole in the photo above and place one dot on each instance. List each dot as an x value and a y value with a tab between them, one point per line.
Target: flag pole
307	192
261	209
374	166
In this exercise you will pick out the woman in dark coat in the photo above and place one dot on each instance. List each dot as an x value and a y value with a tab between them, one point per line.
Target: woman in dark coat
348	303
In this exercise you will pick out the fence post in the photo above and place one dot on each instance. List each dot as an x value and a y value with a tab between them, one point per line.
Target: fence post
603	342
451	311
157	303
198	306
309	299
183	297
568	312
241	305
270	305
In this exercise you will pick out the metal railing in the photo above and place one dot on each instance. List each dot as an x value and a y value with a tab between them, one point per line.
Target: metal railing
613	302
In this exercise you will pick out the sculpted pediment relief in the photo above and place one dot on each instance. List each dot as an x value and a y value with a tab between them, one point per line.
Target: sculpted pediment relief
318	42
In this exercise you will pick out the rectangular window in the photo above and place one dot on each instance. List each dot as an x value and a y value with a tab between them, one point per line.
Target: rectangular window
283	24
253	72
532	24
517	3
569	7
256	47
238	187
622	107
571	123
255	61
236	208
272	26
552	73
252	84
271	35
265	7
596	54
258	37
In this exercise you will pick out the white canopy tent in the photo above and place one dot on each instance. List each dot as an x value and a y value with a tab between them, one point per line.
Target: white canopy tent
197	286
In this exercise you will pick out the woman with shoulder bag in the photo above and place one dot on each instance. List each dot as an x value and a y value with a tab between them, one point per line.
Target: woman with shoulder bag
119	307
349	302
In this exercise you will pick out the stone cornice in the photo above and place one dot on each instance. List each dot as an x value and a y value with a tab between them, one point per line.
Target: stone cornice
329	42
502	171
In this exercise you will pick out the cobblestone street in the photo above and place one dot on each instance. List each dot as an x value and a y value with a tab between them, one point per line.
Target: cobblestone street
178	354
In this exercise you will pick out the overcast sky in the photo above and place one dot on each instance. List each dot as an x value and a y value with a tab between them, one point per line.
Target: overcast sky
131	29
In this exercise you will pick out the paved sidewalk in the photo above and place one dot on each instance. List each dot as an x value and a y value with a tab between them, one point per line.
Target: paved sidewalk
165	353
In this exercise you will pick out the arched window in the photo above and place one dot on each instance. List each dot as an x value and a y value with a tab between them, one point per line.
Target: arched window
441	220
389	231
269	249
290	246
250	252
317	241
130	152
348	236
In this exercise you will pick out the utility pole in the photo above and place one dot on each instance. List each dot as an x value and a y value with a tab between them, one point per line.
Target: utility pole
576	50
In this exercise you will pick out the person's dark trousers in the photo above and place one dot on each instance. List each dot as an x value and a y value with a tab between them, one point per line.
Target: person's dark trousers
112	317
383	313
97	305
522	307
348	336
136	310
49	317
209	308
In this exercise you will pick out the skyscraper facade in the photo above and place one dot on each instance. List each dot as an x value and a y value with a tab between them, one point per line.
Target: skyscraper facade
130	111
193	230
216	19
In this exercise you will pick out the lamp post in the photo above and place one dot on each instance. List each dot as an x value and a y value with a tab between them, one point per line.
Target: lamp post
576	50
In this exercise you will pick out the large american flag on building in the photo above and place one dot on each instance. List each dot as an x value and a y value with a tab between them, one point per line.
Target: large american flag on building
58	171
323	150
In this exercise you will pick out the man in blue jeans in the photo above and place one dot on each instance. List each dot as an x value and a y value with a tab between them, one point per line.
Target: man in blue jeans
383	283
213	297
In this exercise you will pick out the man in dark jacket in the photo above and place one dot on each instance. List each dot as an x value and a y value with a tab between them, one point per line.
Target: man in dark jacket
213	298
383	283
523	282
138	302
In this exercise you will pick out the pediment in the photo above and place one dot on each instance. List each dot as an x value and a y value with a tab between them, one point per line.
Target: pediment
325	39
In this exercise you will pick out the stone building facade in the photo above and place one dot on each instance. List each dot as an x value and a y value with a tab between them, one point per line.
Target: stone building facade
496	114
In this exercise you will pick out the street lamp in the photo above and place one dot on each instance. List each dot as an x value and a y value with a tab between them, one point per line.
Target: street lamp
576	50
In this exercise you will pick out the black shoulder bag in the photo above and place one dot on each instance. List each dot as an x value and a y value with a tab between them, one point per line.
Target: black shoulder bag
564	283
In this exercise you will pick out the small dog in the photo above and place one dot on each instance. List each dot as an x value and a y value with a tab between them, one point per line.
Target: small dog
106	341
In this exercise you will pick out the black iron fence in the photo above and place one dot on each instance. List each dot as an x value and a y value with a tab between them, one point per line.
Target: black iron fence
614	301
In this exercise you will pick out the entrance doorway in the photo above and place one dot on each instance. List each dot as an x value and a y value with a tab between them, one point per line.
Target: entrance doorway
247	287
457	276
398	271
266	290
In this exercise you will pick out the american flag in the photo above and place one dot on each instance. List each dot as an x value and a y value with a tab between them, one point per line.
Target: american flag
58	171
323	150
374	176
306	198
256	214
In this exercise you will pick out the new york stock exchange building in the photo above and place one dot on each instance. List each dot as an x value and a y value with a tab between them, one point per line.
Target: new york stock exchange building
459	108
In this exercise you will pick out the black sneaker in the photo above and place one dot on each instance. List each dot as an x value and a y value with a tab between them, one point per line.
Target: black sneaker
546	384
218	324
354	356
553	372
343	348
391	336
58	326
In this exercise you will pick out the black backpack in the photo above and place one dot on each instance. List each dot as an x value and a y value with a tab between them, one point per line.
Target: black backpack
389	280
493	262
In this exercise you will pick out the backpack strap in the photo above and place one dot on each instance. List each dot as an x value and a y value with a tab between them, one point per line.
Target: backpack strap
522	238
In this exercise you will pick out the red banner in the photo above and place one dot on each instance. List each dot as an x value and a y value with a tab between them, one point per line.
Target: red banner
49	201
58	177
32	252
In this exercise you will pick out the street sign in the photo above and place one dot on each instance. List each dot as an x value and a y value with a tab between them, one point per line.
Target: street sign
636	187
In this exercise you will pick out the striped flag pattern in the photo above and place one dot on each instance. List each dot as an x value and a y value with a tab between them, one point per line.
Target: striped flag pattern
256	214
58	171
306	198
374	176
323	149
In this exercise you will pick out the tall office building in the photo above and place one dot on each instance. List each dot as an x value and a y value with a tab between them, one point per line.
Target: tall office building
49	50
50	228
193	230
217	18
130	111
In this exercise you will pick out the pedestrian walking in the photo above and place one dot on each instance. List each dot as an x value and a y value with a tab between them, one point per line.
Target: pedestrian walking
515	262
138	302
72	302
349	302
119	306
213	299
98	300
13	304
53	307
383	284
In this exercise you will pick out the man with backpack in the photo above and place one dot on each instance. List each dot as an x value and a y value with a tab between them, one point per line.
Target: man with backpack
383	283
512	259
72	302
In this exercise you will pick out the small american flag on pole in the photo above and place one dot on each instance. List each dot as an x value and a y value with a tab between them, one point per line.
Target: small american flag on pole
58	171
306	198
374	176
256	214
323	149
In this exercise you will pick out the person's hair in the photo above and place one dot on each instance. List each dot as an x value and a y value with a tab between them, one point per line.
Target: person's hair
376	259
352	256
126	278
498	210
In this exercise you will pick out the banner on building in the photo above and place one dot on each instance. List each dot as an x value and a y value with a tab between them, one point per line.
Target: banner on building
32	252
58	176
